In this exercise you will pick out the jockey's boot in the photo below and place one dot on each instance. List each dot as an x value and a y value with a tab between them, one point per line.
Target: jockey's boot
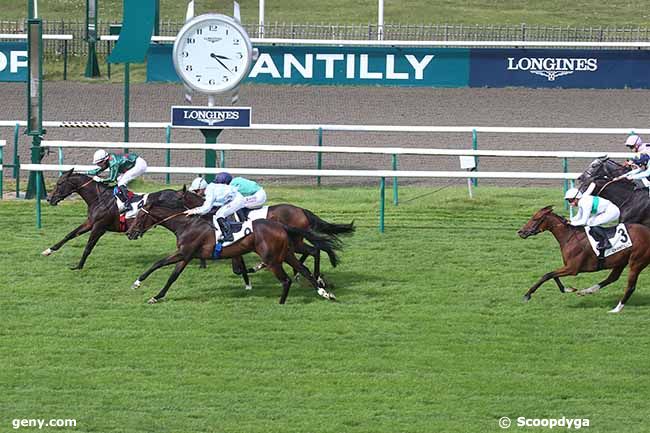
121	192
226	233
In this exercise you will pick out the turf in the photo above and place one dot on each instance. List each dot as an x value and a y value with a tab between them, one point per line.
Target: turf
429	333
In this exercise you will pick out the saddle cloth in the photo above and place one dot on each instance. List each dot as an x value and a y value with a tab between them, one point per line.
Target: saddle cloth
136	203
618	237
241	230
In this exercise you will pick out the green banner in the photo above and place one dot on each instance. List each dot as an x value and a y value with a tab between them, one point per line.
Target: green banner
135	36
316	65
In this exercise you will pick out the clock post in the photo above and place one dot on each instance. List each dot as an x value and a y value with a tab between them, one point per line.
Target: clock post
212	55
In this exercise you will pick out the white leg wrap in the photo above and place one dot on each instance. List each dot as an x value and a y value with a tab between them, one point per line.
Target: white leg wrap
618	308
590	290
47	252
136	284
248	287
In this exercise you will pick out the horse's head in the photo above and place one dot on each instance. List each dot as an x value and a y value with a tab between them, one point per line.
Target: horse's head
144	220
159	206
541	221
603	169
65	185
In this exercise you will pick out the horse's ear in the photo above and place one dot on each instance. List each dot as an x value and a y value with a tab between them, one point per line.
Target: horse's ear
547	209
69	172
184	189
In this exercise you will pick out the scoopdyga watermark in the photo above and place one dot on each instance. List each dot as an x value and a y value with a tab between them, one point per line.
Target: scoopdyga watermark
550	423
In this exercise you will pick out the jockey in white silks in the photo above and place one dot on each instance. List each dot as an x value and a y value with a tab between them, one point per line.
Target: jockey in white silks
198	186
593	211
642	168
229	201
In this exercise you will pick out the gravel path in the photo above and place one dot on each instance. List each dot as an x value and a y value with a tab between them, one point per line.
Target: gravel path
348	105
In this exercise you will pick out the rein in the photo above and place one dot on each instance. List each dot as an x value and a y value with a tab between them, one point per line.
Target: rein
163	220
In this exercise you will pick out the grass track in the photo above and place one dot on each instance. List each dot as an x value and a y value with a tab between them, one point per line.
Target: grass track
430	334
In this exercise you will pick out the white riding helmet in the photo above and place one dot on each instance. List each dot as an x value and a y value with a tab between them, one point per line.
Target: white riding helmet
99	156
198	183
633	140
572	193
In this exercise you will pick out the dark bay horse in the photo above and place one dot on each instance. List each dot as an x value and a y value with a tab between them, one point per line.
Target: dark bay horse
578	255
633	203
292	216
103	214
273	242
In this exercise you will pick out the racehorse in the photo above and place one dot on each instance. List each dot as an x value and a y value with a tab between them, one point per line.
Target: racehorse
273	242
292	216
103	214
633	203
578	256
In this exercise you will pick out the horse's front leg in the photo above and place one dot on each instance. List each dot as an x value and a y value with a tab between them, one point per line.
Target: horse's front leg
562	272
96	233
177	271
174	258
83	228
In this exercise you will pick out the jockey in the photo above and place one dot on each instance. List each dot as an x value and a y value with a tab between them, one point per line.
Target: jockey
640	173
229	201
122	168
593	211
198	186
636	144
253	193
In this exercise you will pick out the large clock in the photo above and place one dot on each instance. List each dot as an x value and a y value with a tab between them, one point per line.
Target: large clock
212	53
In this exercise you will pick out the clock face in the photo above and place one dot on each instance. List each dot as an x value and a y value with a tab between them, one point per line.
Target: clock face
212	53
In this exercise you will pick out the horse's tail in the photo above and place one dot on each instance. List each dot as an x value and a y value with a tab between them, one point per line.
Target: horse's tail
320	225
326	243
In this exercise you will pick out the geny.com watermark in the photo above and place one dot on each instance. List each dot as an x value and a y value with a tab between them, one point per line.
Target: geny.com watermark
40	423
567	423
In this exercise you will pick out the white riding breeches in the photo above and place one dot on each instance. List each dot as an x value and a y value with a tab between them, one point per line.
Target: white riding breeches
238	202
137	170
256	200
611	213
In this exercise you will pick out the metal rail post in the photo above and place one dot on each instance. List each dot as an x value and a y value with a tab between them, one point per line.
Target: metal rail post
60	159
2	173
565	168
319	155
382	199
168	153
475	147
38	199
16	157
395	193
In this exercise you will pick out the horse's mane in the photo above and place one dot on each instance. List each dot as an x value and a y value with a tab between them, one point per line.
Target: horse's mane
167	198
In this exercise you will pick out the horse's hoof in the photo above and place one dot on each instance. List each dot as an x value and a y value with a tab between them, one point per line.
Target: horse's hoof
570	289
526	297
152	301
136	284
324	293
332	296
248	287
76	268
47	252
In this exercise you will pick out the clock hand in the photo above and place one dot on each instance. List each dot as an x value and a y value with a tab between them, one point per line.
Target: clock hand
217	58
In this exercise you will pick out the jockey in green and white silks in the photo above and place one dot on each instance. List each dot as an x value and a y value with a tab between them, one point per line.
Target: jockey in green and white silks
592	210
121	169
229	201
252	191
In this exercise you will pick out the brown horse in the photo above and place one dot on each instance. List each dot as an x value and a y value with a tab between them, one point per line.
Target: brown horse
103	214
273	242
578	255
292	216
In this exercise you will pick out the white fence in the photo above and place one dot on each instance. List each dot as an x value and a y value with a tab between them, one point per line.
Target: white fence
381	174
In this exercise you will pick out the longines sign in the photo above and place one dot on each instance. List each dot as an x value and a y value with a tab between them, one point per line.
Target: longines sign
211	117
552	67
